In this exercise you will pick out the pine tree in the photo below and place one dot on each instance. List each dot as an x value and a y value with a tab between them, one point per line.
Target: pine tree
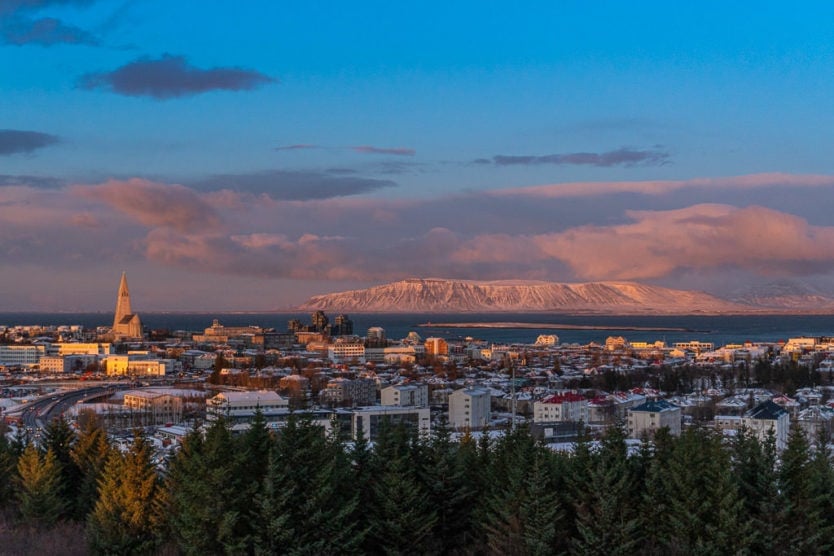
754	470
704	513
540	511
607	521
89	455
206	494
801	519
275	532
123	520
504	524
449	491
310	482
8	464
401	518
60	439
39	487
822	492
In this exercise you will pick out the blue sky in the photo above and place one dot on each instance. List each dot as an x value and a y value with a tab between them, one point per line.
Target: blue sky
247	155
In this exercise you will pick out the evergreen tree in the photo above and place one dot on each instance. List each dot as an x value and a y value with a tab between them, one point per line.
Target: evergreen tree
801	518
512	460
541	511
123	519
275	532
8	464
754	469
310	482
59	438
704	513
449	491
607	521
206	494
39	487
401	518
655	457
89	455
822	492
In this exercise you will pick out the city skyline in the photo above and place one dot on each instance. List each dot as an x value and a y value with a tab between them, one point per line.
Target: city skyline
248	156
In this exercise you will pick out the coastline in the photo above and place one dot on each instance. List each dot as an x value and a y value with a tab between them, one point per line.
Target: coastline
551	326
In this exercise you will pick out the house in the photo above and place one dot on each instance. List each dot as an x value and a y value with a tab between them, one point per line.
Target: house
648	417
403	395
768	418
469	408
561	408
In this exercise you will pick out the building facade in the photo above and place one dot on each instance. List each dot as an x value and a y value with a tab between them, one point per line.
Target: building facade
469	409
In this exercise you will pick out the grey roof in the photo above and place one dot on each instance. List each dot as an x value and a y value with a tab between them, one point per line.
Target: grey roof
655	406
766	410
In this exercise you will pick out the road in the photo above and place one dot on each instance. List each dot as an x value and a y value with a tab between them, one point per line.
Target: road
38	414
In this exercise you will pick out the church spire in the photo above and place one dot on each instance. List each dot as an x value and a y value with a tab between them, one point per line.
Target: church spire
122	301
125	323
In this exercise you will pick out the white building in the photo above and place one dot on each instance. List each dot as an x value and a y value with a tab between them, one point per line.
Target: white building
371	418
344	352
561	408
21	355
768	418
404	395
75	348
241	406
547	340
652	415
154	407
117	365
469	408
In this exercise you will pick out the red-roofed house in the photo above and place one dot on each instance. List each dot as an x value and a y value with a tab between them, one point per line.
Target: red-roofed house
561	408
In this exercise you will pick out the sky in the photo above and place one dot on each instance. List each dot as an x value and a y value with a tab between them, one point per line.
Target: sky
247	155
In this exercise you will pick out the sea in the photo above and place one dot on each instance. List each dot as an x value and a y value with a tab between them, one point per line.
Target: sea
492	327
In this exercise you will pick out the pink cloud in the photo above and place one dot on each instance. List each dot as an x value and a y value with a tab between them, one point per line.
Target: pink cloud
154	204
659	187
701	236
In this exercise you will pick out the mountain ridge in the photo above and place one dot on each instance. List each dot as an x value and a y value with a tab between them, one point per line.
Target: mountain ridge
439	295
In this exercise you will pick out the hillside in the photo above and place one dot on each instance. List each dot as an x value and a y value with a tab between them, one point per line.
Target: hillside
432	295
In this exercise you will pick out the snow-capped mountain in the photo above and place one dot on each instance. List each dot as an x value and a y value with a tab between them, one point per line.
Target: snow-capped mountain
784	295
432	295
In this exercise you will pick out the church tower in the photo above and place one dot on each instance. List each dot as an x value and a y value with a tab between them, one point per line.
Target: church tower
126	324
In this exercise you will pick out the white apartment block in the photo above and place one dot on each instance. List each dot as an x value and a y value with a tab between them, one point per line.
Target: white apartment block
647	418
73	348
371	419
65	363
343	352
561	408
404	395
153	408
21	355
469	409
768	418
237	406
695	345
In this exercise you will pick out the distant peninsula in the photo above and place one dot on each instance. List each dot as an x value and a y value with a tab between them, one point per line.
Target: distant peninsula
549	326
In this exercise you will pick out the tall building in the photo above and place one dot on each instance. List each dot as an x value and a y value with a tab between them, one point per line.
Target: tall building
376	337
320	322
126	324
343	326
469	409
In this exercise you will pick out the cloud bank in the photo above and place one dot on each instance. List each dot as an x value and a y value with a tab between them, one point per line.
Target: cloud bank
243	232
621	157
396	151
14	141
172	77
18	28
